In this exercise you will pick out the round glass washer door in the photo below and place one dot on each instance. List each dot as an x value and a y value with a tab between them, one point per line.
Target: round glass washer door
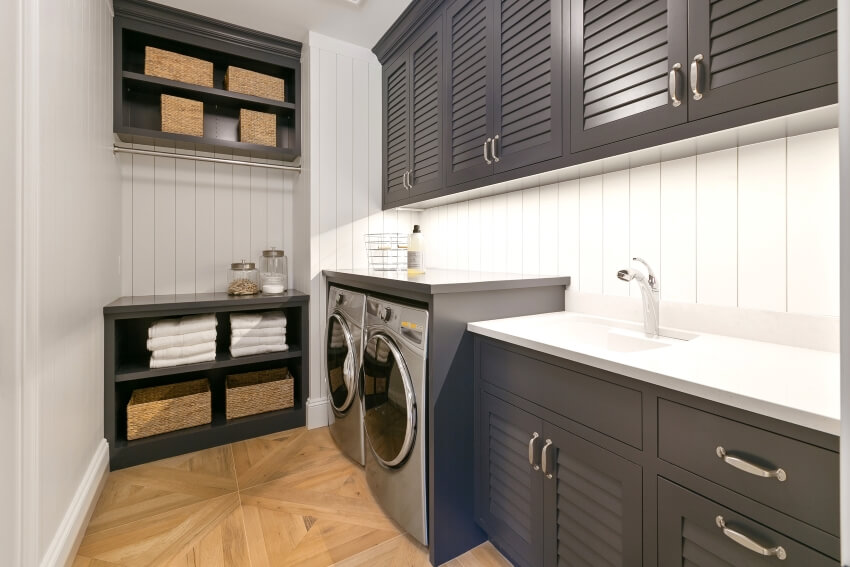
342	374
389	401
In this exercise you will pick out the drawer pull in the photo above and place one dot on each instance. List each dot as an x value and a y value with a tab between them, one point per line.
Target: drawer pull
747	467
531	443
544	460
744	541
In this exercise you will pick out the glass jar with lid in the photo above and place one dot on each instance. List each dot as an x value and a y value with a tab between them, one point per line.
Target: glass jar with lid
273	271
243	279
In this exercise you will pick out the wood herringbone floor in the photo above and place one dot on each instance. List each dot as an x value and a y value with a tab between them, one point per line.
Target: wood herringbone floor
282	500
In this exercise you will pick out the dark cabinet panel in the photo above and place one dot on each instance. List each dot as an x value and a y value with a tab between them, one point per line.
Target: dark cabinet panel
509	490
396	128
744	53
426	132
623	54
593	504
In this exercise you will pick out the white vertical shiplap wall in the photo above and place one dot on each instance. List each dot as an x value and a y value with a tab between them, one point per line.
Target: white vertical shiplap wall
753	227
185	222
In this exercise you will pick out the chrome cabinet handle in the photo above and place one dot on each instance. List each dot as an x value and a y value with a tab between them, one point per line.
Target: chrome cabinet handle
748	467
404	181
749	543
673	85
493	148
409	182
486	157
695	66
531	444
544	461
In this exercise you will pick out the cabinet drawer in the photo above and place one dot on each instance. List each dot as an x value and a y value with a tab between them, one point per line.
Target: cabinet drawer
603	406
690	439
691	532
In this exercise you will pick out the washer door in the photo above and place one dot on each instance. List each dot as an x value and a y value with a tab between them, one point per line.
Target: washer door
342	374
389	401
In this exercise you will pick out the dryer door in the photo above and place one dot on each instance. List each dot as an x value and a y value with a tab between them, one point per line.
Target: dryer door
342	371
389	401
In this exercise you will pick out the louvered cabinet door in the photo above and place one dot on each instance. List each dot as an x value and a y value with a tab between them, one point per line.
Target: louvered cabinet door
471	105
509	491
752	51
426	121
593	505
622	56
529	121
396	128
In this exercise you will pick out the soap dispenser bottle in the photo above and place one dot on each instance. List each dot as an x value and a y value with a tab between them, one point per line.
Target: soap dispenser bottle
415	253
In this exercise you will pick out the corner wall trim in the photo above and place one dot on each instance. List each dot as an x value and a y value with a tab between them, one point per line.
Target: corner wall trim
317	413
70	532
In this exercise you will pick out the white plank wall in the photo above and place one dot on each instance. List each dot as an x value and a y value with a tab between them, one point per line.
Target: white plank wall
754	227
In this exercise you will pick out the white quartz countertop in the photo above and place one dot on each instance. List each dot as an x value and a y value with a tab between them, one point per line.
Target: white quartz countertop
796	385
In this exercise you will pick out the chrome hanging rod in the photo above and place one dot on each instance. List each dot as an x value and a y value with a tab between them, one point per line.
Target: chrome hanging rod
153	153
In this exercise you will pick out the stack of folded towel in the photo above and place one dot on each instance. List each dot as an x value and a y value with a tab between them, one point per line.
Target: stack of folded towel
187	340
257	333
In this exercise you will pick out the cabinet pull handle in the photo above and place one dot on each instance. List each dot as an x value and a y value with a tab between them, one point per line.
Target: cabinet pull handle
749	543
673	85
695	82
486	157
493	148
544	461
409	182
404	181
748	467
531	444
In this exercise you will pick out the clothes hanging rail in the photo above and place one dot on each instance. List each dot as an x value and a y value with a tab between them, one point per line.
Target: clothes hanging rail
123	150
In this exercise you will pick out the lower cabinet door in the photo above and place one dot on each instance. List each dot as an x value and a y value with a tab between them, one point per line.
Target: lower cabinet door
593	504
697	532
509	490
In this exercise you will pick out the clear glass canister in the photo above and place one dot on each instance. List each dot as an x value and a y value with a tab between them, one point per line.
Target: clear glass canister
273	271
243	279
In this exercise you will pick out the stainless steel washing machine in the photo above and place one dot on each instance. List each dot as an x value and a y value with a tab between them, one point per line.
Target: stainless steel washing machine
343	349
393	389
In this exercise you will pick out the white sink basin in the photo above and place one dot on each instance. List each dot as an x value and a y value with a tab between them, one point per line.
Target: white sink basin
612	334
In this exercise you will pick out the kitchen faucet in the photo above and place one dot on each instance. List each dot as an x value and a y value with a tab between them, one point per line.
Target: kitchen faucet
650	294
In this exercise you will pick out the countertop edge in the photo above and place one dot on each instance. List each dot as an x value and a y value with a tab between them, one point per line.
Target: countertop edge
459	287
199	301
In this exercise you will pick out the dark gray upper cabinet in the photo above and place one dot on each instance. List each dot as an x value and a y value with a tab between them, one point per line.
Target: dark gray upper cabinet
397	128
746	52
624	72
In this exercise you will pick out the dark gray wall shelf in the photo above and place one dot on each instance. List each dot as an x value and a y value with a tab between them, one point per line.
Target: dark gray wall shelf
137	113
126	321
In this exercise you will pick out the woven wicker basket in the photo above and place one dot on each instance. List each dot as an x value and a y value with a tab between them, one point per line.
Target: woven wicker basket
160	409
170	65
252	83
182	115
257	128
258	392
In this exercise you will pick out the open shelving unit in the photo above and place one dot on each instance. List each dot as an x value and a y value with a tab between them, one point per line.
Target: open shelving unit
137	108
126	368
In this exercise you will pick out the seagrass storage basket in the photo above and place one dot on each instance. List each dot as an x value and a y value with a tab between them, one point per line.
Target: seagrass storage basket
177	67
182	115
161	409
259	392
257	128
252	83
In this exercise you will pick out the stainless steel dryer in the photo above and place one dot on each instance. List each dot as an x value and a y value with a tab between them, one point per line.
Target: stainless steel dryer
393	389
343	349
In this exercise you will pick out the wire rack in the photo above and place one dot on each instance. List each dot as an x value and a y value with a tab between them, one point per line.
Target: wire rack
387	251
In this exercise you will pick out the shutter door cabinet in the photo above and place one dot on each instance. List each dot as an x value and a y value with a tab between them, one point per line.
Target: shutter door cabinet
529	89
593	506
622	54
509	490
426	109
759	50
397	128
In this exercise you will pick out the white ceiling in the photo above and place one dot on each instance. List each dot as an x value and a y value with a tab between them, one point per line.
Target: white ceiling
362	24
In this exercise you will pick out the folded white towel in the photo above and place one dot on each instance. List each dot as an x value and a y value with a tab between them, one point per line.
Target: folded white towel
207	357
182	326
183	352
189	339
257	320
240	342
260	332
260	349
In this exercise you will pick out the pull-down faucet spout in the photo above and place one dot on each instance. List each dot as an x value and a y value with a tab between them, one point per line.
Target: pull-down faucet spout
649	293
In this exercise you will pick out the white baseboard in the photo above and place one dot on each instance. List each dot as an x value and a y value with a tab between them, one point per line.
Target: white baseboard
67	539
317	412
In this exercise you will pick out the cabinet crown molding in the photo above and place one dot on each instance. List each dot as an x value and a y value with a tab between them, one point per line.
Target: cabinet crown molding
405	27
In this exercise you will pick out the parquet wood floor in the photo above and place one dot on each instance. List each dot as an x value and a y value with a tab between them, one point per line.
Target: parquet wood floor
288	499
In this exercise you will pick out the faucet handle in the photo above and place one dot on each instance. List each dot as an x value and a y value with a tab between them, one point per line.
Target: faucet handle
651	279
